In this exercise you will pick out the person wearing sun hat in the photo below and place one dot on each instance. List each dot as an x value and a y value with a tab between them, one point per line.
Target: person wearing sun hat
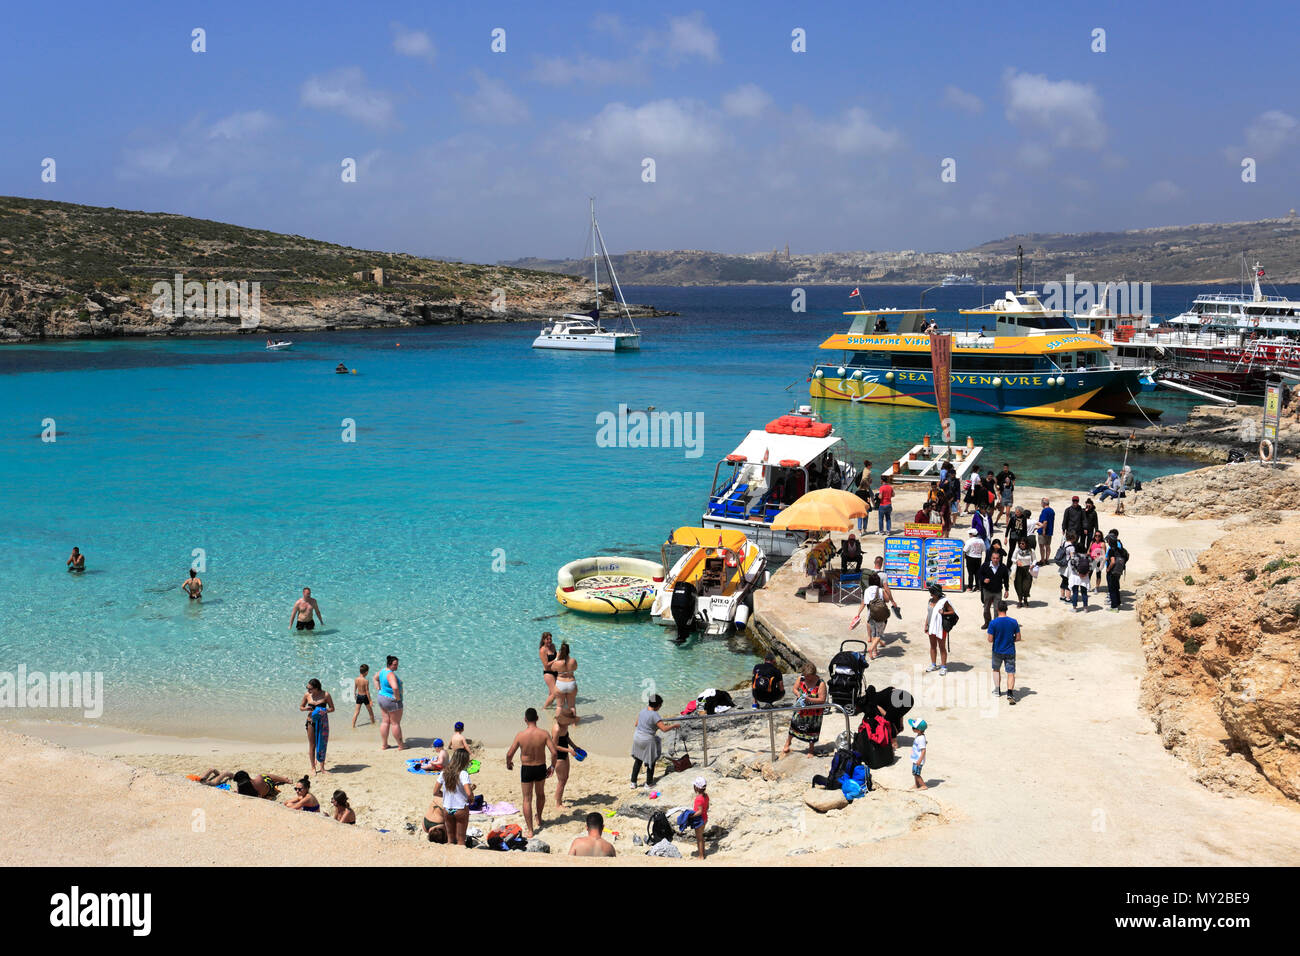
919	745
700	813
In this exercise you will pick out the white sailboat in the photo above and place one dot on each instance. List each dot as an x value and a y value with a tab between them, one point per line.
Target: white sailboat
583	331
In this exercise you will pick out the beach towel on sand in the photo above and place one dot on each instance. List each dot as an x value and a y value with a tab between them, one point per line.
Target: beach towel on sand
413	766
496	809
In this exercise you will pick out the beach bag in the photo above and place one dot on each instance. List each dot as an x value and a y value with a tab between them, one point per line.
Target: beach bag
768	688
877	609
658	829
949	618
1033	570
675	752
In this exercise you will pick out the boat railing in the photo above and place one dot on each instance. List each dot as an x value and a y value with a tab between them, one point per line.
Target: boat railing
1238	298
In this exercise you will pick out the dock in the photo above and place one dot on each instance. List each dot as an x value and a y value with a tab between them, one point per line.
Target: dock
921	463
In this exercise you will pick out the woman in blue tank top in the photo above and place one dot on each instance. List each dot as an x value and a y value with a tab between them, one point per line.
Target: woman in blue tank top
389	698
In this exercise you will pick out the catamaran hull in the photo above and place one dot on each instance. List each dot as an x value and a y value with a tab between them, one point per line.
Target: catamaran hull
589	343
1093	395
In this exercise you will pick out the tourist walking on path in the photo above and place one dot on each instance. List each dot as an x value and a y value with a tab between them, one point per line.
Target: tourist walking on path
806	725
1045	528
302	612
566	684
457	792
876	603
1078	571
974	550
937	628
1072	520
1006	480
645	740
1024	560
391	702
1018	526
1004	632
318	705
979	523
1116	558
532	744
546	653
885	510
862	488
1090	520
1097	552
994	584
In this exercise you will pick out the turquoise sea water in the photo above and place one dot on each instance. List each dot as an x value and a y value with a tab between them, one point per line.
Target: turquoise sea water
467	441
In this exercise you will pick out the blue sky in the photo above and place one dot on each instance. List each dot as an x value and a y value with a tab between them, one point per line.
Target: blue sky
464	152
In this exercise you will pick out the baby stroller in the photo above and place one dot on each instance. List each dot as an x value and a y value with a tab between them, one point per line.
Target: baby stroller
845	676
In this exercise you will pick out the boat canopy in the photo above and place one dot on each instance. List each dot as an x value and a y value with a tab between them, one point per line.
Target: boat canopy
689	537
760	447
1008	344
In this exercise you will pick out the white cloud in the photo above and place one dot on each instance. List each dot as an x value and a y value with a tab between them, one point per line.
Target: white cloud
492	102
658	128
584	69
414	43
691	36
1270	133
344	91
852	132
1068	113
1162	190
747	100
959	99
241	125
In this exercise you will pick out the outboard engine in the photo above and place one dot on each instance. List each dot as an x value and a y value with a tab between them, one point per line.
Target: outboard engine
683	609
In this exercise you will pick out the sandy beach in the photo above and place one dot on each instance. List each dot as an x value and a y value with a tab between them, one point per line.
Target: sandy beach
1074	774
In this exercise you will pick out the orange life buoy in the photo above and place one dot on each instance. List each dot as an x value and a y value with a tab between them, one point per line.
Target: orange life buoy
1266	450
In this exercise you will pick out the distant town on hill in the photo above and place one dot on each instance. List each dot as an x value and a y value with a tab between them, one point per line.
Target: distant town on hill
1204	253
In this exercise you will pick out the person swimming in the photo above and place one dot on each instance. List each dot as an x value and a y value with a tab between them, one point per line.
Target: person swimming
76	561
341	369
193	586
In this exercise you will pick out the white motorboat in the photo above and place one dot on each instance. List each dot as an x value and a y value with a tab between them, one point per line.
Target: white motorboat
771	469
585	332
710	587
278	346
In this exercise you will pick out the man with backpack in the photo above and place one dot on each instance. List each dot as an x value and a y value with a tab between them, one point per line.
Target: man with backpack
1073	520
1116	558
767	687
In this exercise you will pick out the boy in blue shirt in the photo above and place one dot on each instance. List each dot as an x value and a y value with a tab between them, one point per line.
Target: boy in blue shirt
920	744
1003	633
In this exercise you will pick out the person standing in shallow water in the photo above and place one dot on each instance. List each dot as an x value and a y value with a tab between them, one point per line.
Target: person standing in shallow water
193	586
302	612
546	653
76	561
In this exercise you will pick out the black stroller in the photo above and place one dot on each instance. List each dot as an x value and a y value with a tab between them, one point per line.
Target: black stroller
845	675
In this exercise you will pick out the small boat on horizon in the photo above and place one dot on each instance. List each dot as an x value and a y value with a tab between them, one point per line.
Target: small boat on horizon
277	346
953	278
583	331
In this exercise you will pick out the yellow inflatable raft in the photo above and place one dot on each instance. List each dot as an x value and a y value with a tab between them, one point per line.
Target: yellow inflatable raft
609	585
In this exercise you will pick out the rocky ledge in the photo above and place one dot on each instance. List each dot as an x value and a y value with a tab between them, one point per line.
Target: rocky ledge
1211	433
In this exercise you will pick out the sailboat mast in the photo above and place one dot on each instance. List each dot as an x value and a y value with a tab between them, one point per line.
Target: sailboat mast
609	267
595	259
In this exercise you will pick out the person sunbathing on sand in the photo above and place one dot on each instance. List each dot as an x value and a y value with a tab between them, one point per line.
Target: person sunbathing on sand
262	785
343	812
594	843
305	799
435	822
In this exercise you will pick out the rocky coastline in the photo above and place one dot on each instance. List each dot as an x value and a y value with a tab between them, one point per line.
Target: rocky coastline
1212	433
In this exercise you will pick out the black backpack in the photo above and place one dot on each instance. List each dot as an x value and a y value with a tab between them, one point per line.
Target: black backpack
658	829
1082	564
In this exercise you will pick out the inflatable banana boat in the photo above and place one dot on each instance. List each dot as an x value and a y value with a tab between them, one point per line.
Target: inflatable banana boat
609	585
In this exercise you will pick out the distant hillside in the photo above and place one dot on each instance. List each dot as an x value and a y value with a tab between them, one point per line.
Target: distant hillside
1205	253
68	271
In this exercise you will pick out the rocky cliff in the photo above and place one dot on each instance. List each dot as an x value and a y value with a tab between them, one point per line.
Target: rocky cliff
78	271
1221	641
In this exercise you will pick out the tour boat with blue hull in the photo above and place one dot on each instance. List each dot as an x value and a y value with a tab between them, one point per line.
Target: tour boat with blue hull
1035	364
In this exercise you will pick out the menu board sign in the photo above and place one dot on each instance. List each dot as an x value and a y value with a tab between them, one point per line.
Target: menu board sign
943	563
903	562
911	562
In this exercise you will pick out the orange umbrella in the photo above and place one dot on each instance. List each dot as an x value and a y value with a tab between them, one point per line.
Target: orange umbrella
826	509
